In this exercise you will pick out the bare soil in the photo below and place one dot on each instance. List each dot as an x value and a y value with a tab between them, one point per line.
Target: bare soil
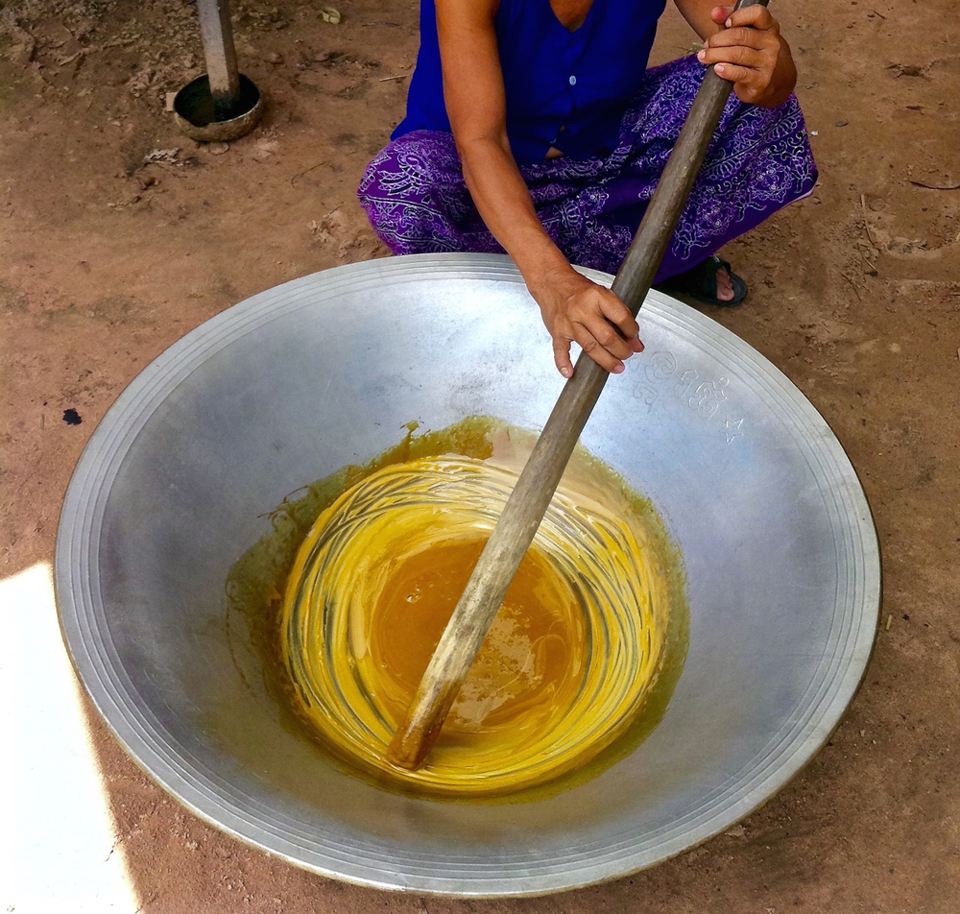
118	235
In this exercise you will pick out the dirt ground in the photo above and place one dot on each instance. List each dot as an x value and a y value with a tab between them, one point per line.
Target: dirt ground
118	235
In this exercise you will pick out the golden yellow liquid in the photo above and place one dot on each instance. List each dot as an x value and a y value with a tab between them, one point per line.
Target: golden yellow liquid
531	661
575	649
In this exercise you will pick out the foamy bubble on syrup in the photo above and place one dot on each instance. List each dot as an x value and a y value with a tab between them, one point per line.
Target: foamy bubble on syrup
566	665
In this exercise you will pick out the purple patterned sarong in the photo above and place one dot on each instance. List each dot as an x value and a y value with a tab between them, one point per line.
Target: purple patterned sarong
758	162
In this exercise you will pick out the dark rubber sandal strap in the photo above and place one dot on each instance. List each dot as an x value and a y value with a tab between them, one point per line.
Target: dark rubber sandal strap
700	283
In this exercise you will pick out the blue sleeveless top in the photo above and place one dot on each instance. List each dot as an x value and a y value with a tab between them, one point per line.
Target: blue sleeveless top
563	89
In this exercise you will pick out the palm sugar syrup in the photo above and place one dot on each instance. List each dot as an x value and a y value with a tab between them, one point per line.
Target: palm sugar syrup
581	659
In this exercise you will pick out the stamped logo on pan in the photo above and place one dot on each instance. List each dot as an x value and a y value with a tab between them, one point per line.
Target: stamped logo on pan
662	375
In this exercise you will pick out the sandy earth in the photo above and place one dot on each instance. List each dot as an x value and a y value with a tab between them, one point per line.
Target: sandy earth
118	235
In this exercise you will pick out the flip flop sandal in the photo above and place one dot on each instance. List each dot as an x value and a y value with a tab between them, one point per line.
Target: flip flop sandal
700	283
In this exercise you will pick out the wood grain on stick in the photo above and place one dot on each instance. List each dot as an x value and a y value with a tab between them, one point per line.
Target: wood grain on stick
221	56
514	531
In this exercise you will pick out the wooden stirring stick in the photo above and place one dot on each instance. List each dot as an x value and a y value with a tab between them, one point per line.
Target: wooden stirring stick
514	531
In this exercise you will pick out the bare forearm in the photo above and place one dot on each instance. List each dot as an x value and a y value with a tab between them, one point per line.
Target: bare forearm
573	308
504	203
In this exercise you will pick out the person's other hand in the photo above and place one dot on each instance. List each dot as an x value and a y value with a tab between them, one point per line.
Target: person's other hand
750	52
574	309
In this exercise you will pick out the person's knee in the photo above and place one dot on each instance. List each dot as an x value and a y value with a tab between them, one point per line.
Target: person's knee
405	191
373	184
412	167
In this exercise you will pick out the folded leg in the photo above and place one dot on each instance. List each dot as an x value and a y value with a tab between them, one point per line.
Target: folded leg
758	162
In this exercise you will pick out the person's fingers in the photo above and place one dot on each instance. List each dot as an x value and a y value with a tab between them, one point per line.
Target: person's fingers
598	322
751	71
748	84
561	356
621	338
740	37
589	344
720	14
606	335
757	16
618	314
737	57
601	313
621	345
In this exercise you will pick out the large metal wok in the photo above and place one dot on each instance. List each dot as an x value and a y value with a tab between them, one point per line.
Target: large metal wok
292	384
